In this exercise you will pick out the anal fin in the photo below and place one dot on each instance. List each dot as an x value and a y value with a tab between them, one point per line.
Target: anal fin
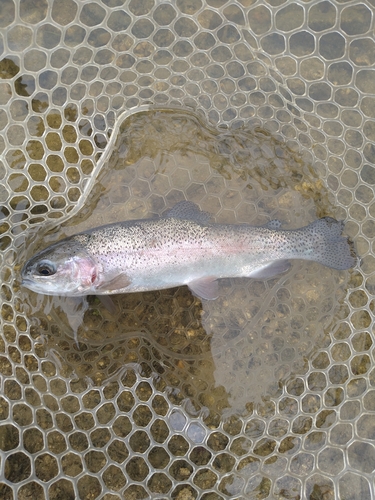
271	270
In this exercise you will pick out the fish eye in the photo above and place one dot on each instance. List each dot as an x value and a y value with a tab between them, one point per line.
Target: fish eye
46	268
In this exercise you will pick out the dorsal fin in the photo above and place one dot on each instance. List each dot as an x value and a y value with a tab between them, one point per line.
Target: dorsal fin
187	210
273	224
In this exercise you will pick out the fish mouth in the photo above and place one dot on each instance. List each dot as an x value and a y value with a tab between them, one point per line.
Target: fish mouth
42	288
28	283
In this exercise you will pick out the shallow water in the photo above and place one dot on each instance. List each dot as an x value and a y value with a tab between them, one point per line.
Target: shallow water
304	72
223	355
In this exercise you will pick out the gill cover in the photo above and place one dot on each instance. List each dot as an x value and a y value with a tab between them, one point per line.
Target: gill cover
64	268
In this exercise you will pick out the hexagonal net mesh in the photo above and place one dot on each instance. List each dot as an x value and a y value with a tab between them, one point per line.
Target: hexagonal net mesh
254	110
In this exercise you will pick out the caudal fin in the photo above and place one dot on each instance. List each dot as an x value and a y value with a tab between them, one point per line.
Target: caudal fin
330	248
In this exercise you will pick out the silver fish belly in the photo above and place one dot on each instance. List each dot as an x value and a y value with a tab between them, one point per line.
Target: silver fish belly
182	248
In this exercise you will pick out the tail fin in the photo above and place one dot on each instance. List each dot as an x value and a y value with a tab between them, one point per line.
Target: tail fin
330	248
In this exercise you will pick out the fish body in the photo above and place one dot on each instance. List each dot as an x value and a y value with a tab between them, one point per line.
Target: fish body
182	248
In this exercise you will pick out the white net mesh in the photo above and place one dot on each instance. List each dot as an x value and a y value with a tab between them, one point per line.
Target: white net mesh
254	110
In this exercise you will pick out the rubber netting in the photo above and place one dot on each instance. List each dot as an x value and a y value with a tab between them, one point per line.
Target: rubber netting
254	109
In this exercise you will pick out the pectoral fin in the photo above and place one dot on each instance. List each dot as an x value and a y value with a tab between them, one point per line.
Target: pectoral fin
119	281
205	288
273	269
108	303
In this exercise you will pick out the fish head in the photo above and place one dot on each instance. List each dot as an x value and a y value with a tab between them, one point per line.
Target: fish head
64	268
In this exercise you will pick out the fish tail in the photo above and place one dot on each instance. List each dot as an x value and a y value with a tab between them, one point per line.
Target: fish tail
328	246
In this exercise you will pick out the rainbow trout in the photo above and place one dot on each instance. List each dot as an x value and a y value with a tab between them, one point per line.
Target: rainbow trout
181	248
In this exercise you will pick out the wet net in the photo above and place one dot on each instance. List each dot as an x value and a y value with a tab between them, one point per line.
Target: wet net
255	110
